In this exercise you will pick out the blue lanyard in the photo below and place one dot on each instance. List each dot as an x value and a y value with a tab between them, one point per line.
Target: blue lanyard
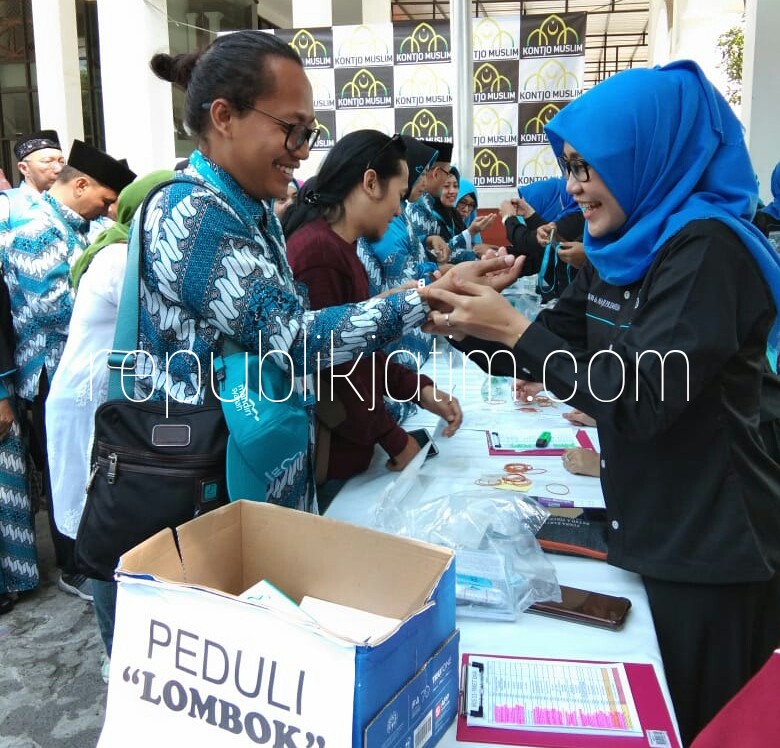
543	270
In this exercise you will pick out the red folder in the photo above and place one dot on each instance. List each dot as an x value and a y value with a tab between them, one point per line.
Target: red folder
582	438
659	730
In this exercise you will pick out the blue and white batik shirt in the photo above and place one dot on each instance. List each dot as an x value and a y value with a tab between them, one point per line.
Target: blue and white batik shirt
424	222
215	265
40	238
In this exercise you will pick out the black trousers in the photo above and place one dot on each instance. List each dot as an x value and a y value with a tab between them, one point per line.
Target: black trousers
713	639
63	545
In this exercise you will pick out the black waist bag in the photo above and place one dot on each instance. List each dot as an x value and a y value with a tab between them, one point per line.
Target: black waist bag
149	471
154	464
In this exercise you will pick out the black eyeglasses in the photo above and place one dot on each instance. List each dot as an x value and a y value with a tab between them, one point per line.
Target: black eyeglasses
578	168
390	143
297	134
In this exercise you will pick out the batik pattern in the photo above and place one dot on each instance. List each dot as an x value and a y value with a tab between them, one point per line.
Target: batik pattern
397	258
214	265
39	241
18	556
424	222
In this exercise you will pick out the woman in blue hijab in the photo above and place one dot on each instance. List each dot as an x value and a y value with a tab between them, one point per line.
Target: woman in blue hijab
768	218
661	338
549	198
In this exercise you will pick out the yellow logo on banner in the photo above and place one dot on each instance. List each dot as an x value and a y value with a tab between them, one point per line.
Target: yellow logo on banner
488	34
546	113
543	164
306	45
325	133
365	119
553	74
425	82
364	41
424	39
487	164
363	83
488	79
425	124
552	31
488	121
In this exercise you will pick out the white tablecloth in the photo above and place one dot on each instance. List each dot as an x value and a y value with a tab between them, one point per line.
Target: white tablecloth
462	459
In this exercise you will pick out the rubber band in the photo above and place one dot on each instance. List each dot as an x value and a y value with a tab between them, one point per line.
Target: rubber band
489	480
557	493
543	401
536	471
516	480
517	467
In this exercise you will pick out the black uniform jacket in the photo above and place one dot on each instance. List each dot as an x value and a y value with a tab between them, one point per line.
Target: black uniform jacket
691	494
522	238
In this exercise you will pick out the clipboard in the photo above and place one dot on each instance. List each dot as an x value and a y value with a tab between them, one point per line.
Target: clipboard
495	448
658	730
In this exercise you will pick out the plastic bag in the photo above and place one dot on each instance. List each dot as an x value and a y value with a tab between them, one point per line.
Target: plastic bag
500	568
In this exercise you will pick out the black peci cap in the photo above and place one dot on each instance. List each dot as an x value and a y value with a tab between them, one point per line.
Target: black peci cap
100	166
444	149
36	141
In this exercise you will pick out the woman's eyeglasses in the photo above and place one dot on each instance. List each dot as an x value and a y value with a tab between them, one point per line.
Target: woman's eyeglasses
578	168
297	134
390	143
467	204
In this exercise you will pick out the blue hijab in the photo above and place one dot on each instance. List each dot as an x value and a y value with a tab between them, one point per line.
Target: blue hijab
671	151
774	207
466	187
548	197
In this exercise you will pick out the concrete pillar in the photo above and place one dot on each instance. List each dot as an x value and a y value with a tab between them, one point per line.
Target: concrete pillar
57	69
659	40
308	14
462	52
137	105
761	88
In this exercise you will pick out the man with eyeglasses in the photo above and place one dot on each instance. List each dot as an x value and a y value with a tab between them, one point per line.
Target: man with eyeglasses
38	246
40	160
421	213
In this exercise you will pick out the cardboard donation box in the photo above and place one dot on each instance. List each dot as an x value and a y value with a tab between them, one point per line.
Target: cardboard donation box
195	664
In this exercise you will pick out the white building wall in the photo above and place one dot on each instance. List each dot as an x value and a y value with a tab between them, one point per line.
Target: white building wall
138	111
57	64
761	88
137	105
696	26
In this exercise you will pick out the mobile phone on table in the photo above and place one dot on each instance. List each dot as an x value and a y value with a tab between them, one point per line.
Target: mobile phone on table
584	606
422	437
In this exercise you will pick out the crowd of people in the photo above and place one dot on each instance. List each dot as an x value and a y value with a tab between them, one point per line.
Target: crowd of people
649	245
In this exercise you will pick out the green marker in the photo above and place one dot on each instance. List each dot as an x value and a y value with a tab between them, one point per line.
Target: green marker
543	440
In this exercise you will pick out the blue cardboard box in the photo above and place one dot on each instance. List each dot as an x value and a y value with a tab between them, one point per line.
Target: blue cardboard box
193	664
422	711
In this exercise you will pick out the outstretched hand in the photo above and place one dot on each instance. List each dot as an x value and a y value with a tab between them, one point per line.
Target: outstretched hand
467	308
496	273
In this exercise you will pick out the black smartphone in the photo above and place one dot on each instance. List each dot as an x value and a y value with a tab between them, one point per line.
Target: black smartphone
422	437
584	606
